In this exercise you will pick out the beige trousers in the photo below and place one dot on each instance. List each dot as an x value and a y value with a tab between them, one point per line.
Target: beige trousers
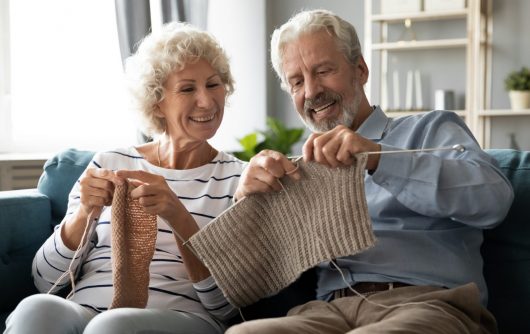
414	309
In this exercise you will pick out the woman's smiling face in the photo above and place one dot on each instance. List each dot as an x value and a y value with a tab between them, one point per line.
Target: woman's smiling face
193	104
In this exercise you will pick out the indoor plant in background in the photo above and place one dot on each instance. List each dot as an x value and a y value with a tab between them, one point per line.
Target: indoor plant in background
517	84
276	137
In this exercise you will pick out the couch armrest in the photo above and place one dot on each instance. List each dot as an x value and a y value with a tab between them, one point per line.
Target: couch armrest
25	218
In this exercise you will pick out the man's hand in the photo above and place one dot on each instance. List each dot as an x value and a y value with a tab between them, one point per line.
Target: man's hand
336	148
263	173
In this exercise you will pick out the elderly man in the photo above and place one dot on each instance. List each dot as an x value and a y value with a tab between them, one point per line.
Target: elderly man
428	209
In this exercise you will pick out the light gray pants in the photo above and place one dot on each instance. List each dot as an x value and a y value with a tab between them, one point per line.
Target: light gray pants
44	313
413	309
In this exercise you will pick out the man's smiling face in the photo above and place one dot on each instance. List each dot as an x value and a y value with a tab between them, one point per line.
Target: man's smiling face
324	86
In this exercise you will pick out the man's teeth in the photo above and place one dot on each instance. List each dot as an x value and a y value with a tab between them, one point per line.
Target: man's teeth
203	119
323	107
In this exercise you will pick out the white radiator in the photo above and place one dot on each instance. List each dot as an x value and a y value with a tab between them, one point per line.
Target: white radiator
18	174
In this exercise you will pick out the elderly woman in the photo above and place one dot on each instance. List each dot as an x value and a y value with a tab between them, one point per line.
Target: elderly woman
180	78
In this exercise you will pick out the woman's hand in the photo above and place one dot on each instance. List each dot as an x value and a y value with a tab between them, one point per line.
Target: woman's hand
336	148
263	173
153	193
155	196
96	189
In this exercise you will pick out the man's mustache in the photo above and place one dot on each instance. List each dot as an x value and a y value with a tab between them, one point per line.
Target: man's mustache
321	99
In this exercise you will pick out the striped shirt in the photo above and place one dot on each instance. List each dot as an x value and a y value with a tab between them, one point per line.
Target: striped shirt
205	191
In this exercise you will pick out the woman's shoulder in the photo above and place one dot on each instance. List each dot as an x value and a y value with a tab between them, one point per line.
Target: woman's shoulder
117	158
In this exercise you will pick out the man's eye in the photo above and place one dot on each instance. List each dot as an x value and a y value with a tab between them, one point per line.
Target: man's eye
296	83
321	72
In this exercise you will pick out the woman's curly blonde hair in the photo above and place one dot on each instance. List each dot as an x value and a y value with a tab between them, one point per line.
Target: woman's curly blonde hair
162	52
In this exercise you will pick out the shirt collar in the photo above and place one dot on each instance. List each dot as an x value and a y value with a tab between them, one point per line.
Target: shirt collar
375	125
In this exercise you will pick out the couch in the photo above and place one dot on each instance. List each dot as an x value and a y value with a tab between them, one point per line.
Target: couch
27	218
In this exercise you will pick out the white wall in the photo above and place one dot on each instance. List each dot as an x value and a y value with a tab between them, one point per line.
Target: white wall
240	28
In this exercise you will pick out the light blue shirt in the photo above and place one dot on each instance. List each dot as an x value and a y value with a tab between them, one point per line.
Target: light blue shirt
427	209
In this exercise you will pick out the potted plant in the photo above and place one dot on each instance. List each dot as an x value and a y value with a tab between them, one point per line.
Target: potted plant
517	84
277	137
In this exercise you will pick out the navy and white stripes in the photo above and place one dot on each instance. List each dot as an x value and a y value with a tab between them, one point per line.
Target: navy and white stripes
205	191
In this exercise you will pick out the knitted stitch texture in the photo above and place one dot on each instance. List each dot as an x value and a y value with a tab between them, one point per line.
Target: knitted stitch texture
133	245
264	242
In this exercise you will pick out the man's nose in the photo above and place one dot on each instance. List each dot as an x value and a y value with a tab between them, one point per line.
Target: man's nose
312	88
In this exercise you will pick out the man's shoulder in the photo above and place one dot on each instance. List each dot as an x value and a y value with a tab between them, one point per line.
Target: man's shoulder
434	116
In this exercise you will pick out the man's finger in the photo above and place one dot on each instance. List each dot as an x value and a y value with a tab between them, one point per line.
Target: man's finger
278	165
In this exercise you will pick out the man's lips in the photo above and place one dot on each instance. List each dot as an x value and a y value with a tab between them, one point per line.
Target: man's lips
323	107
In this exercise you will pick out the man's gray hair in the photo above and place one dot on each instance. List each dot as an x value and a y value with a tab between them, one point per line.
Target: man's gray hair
311	21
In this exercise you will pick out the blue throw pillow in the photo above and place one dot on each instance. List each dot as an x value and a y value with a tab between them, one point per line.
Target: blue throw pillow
60	174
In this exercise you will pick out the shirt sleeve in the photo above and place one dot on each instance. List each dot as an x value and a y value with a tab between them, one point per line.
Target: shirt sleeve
213	300
54	261
466	186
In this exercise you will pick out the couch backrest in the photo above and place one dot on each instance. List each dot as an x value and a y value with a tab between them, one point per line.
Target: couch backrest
506	249
60	174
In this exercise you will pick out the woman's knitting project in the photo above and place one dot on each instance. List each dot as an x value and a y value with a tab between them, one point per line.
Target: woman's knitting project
264	242
133	245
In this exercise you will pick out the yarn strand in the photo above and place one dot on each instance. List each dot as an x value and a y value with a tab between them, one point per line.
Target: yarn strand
93	217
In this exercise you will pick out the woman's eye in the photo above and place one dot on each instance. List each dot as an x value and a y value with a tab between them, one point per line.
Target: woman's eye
213	85
187	89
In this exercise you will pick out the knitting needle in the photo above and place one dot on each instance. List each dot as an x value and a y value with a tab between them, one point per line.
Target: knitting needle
458	148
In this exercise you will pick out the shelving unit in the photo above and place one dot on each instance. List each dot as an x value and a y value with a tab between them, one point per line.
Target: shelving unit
475	41
486	116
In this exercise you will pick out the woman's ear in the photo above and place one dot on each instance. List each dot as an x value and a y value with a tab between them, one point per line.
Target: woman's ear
158	112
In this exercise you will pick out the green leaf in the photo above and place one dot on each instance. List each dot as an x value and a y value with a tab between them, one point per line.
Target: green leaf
249	142
276	137
518	80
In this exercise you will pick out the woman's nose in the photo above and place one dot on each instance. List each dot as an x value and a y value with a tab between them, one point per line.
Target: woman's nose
205	99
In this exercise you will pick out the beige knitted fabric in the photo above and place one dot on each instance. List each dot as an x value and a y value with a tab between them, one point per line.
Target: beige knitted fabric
265	241
133	245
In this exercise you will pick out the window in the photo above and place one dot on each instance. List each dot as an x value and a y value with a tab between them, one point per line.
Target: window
66	86
61	74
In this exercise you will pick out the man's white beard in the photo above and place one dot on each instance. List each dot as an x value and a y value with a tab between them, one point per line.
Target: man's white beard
346	118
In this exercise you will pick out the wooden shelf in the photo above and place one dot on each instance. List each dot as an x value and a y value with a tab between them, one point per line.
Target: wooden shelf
416	45
474	27
504	112
421	16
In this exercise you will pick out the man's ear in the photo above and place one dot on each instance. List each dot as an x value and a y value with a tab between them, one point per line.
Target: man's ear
362	70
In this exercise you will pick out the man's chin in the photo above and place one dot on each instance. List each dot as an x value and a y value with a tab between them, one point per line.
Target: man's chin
322	125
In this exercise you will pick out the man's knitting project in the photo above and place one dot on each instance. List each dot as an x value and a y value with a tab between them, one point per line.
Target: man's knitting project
264	242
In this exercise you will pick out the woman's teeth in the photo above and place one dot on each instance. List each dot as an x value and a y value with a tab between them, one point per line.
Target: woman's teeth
203	119
319	109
